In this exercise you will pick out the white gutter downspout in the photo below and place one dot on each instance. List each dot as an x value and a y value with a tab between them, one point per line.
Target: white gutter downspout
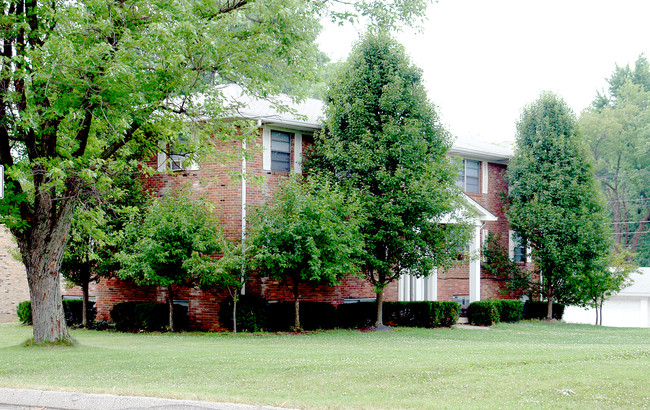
243	210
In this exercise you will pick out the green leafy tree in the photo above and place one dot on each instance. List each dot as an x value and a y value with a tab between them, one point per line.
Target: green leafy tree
598	285
517	281
381	141
229	270
159	248
617	128
554	203
96	229
83	80
308	234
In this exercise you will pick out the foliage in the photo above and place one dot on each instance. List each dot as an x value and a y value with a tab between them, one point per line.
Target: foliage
309	233
82	83
497	262
382	142
24	312
252	315
97	228
422	314
444	314
150	317
554	204
483	313
313	316
596	286
410	314
538	310
162	247
617	128
510	310
230	271
72	310
355	315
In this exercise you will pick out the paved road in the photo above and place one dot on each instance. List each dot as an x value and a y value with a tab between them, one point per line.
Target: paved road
13	399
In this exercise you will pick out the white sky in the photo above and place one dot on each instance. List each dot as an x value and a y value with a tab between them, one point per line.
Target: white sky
484	60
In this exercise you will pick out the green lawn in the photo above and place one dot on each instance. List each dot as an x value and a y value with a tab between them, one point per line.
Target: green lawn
526	364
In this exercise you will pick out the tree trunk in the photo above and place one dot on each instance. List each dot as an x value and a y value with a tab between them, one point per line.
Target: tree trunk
296	307
601	311
170	304
47	307
549	310
84	304
42	246
379	321
234	314
596	306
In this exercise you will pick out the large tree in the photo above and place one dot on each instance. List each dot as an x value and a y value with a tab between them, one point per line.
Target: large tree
382	141
309	234
554	203
617	127
81	80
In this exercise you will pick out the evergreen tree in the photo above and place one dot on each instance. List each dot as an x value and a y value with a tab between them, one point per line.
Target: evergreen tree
554	204
381	140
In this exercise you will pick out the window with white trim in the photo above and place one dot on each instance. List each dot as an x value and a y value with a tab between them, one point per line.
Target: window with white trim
469	177
517	248
178	158
280	151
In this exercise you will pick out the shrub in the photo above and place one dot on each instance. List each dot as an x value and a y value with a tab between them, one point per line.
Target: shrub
510	310
356	315
538	310
483	313
151	317
313	315
24	312
252	315
444	314
410	314
71	310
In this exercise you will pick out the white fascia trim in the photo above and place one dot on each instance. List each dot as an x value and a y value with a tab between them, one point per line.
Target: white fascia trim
483	214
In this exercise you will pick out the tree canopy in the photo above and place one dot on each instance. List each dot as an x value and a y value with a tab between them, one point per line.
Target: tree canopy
160	247
81	81
617	128
308	234
381	140
554	203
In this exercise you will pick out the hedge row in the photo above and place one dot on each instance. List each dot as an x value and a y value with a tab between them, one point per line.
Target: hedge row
255	314
72	309
489	311
150	317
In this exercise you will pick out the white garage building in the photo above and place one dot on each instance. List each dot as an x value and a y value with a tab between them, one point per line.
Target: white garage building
629	308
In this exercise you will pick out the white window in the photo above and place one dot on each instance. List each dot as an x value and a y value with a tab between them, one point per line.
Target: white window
468	179
517	248
280	151
277	155
178	158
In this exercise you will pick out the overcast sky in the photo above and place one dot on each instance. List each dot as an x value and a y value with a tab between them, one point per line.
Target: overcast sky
484	60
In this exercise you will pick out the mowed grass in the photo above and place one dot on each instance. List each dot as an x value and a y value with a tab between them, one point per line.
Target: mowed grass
530	364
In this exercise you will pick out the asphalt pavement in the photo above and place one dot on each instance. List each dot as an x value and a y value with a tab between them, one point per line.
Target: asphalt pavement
13	399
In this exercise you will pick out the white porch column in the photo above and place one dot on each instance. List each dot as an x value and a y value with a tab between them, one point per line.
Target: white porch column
475	265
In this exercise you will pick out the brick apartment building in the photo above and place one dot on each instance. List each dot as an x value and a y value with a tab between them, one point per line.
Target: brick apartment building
278	151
